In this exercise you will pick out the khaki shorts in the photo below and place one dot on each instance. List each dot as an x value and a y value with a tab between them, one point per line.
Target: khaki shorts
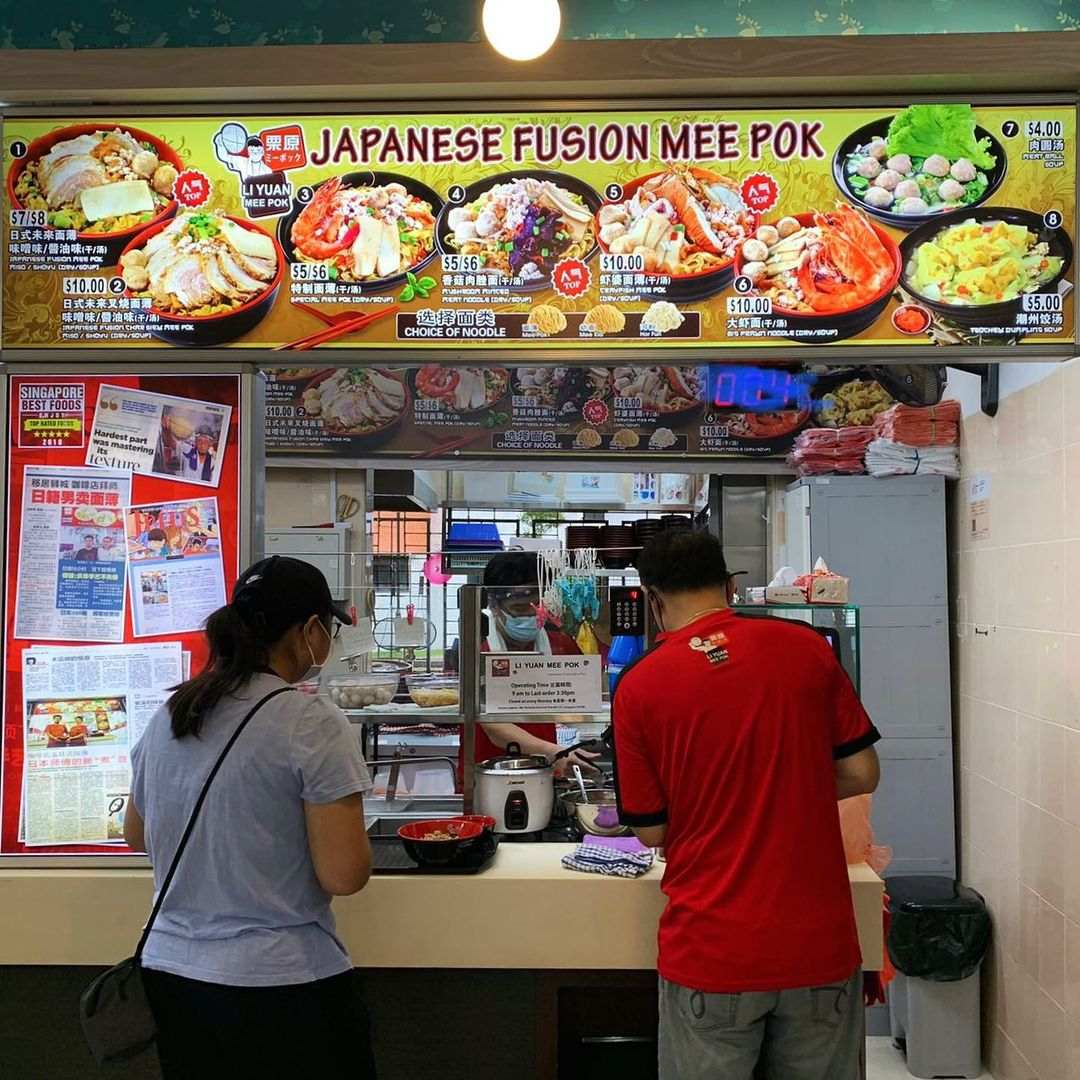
815	1033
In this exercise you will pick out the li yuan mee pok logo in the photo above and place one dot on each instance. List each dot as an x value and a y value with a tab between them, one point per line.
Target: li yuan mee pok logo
712	646
261	161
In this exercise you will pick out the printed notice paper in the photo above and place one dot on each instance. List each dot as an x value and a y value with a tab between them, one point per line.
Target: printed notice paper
531	683
72	554
160	435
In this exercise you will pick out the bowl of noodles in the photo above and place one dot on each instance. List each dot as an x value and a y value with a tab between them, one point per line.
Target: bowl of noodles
363	228
363	404
520	224
685	223
208	277
79	160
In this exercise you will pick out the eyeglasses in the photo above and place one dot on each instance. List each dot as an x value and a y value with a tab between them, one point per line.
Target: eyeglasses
529	596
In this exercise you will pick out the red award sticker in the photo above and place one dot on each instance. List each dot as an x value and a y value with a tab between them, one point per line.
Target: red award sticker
192	188
571	278
760	192
595	411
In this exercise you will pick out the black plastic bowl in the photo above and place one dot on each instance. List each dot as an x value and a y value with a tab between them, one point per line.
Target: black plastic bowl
878	130
367	179
1004	312
592	198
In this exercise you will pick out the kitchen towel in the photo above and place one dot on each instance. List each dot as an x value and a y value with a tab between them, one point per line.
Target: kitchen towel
597	859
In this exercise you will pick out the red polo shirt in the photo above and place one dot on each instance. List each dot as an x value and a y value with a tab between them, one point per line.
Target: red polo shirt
727	732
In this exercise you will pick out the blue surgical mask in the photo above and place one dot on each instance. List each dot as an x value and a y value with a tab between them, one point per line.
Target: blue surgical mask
521	627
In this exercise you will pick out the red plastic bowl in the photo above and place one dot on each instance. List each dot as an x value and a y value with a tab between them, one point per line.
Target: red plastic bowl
483	820
429	851
226	325
44	143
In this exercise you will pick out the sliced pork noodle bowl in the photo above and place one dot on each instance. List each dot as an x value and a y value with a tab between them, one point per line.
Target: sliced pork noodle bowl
364	233
356	401
201	264
98	183
684	222
464	389
522	228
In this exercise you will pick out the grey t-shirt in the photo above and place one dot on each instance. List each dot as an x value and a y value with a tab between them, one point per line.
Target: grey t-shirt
245	907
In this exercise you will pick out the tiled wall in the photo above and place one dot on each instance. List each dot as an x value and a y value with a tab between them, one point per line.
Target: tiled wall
1017	681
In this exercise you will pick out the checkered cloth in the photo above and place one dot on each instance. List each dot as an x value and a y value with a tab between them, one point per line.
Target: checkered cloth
597	859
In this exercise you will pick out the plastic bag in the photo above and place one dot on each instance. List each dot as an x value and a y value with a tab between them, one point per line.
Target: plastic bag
858	834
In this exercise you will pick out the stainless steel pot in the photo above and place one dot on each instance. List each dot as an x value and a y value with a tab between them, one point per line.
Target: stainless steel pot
517	790
598	815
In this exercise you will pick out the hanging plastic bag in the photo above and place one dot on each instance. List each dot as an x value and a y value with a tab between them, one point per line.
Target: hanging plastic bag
858	834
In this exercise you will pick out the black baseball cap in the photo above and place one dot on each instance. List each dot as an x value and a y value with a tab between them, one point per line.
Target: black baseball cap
279	592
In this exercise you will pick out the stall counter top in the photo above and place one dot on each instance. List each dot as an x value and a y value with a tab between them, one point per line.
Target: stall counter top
525	911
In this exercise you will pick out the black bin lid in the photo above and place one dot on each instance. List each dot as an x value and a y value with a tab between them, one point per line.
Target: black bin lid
928	892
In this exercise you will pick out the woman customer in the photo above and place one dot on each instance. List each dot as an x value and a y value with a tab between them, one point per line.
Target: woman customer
244	970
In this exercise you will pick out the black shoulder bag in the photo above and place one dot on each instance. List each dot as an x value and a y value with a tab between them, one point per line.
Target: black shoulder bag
116	1018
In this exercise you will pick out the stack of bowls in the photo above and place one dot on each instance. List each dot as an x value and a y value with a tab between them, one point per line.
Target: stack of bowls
582	536
616	546
644	530
676	521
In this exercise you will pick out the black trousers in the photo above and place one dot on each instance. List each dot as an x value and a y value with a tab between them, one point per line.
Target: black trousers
206	1031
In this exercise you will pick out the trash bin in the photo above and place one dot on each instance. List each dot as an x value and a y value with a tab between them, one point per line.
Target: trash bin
939	935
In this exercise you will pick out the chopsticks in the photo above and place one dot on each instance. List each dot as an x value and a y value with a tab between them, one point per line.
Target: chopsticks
347	323
454	444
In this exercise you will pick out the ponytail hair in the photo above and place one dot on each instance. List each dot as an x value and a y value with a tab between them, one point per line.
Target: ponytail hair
237	652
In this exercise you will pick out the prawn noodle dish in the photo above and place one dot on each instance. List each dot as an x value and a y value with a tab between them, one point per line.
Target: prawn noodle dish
684	222
357	401
522	228
364	233
820	263
201	264
462	389
98	182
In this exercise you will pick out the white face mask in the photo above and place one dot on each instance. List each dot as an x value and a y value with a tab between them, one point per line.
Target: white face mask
315	670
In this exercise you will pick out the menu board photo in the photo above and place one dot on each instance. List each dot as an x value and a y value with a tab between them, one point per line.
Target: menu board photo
643	411
935	225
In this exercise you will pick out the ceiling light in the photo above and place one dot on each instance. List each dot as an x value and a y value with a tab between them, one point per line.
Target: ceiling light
521	29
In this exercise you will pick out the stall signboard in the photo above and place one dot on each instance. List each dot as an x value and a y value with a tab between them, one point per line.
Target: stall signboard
530	683
111	564
587	412
929	226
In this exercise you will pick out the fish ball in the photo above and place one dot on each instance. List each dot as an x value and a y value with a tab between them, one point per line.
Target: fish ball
900	163
755	271
755	251
768	234
907	189
913	206
144	163
868	167
936	165
133	258
878	149
163	179
951	190
787	226
888	179
963	170
878	197
136	278
460	214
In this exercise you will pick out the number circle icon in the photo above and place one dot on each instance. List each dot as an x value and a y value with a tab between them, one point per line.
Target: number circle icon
743	285
305	195
1052	219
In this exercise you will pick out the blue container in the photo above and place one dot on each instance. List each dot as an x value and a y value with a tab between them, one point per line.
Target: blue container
625	649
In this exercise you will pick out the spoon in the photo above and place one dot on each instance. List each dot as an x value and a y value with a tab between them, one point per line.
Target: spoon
581	782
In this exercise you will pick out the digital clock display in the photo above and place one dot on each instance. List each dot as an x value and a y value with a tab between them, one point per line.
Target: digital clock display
750	388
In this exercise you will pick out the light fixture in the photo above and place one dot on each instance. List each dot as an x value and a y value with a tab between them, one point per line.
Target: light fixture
521	29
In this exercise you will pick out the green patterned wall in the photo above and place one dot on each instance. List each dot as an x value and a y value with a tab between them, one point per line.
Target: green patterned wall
96	24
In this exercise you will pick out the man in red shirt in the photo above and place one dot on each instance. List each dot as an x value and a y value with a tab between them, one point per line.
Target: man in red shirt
734	738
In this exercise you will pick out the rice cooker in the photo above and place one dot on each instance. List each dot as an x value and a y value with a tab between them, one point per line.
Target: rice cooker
517	790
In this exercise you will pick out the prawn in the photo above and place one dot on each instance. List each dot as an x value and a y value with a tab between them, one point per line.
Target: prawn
317	230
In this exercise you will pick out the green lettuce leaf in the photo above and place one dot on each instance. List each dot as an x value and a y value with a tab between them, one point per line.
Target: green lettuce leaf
949	130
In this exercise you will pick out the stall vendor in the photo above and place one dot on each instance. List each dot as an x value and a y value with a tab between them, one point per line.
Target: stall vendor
512	597
56	731
77	733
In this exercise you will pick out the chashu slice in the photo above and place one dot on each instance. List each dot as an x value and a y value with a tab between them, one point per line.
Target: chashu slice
255	245
185	280
236	274
70	177
218	281
256	268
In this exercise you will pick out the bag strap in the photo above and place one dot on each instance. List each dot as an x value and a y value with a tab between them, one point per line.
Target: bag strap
194	814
